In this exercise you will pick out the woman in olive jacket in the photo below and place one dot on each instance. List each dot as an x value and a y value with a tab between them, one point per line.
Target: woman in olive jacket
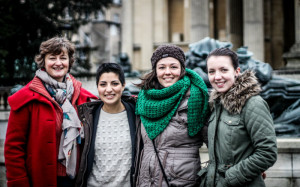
241	135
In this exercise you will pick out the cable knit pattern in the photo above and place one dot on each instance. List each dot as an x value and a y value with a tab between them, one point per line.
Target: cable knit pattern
156	107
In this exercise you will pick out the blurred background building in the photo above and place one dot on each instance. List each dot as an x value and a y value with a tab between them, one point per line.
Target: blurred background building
270	28
102	34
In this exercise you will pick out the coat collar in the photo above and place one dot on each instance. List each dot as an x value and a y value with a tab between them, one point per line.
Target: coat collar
245	86
35	90
38	86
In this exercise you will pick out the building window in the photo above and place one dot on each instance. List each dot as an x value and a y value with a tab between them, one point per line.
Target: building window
100	16
116	18
113	30
118	2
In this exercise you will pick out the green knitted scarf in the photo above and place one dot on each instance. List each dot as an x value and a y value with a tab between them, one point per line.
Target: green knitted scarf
156	107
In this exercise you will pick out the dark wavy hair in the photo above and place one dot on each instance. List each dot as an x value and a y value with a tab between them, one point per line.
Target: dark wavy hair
110	67
225	52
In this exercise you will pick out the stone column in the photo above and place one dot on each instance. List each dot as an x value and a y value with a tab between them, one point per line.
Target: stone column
234	22
143	32
292	58
187	20
199	20
160	13
127	28
297	21
253	27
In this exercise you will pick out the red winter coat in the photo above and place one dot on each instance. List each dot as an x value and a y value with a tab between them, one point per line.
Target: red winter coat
31	140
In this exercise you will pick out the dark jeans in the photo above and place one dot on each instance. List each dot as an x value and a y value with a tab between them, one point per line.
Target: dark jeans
65	182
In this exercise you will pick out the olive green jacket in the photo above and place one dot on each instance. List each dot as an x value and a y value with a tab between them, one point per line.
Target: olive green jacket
241	136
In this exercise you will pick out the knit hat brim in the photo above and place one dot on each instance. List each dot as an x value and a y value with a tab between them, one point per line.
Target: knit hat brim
168	50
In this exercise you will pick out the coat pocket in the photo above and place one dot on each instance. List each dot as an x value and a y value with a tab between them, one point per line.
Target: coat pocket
185	169
232	120
203	176
221	175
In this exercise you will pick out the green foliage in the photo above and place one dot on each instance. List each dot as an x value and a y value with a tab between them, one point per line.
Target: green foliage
24	24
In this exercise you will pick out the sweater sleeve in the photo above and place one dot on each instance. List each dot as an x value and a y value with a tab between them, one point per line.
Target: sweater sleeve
259	125
15	147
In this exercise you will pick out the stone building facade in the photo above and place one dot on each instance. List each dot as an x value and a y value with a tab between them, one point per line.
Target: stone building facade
270	28
102	34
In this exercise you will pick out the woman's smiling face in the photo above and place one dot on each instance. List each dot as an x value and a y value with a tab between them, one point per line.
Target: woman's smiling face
221	73
168	71
110	88
57	66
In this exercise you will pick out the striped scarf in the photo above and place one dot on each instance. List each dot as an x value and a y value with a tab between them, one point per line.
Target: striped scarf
72	129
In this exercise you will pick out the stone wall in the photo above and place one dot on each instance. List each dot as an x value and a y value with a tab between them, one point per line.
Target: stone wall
286	171
2	167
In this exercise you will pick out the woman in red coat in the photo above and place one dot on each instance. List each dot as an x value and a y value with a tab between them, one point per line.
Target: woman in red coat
42	146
